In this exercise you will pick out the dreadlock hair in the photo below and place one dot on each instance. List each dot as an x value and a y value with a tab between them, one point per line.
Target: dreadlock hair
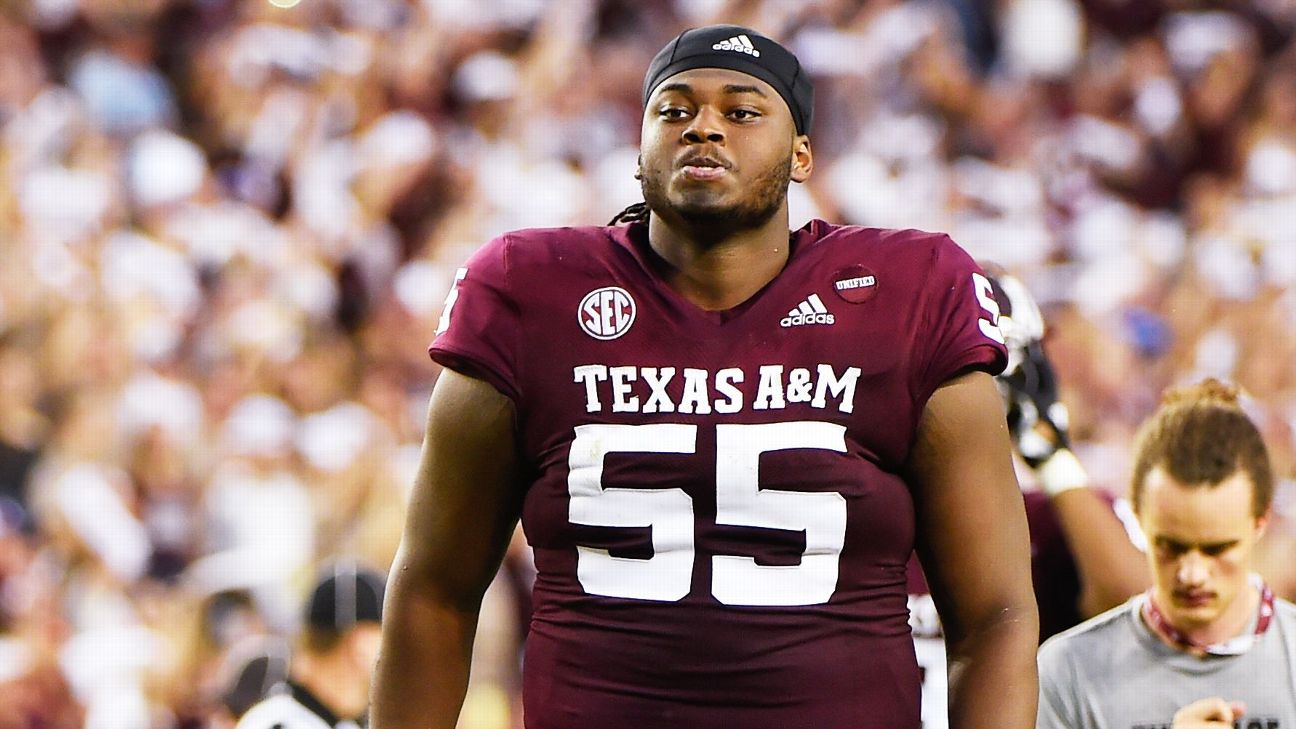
1202	436
637	213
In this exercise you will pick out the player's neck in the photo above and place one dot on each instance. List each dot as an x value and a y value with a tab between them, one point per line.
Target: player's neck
718	270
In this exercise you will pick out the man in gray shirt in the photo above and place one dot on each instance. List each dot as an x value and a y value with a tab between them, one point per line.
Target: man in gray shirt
1208	645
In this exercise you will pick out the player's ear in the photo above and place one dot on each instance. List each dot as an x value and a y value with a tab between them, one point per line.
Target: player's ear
802	158
638	175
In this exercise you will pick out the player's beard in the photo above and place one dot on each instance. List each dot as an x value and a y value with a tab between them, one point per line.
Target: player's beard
701	211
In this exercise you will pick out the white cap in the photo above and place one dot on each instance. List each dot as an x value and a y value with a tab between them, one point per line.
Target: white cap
164	168
1271	168
133	265
150	400
473	14
397	138
260	425
1043	38
420	287
333	439
486	76
1193	39
94	510
61	204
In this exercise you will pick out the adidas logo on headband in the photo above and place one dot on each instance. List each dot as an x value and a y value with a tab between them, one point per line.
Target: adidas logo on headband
740	43
736	48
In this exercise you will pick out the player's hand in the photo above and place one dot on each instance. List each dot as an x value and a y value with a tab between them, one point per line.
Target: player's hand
1037	420
1212	713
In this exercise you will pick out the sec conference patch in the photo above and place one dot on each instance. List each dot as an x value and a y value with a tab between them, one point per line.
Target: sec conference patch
607	313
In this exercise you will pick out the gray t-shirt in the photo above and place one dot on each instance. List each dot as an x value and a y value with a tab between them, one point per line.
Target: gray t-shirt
1112	672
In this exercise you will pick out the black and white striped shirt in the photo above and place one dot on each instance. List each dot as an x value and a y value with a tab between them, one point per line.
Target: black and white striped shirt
291	706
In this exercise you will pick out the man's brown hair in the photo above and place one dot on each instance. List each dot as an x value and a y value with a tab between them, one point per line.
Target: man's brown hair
1201	436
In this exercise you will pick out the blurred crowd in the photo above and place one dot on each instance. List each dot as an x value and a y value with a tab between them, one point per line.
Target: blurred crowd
227	227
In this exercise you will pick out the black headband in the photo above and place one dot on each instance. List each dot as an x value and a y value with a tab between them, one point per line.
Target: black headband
737	48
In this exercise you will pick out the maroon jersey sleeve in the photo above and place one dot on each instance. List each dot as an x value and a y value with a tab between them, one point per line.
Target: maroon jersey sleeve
480	322
960	321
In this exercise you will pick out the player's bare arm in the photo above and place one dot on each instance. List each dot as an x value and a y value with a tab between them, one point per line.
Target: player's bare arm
1111	568
461	514
973	543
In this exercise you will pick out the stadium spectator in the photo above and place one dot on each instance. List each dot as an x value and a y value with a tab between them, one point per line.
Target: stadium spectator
1073	518
1209	641
1085	545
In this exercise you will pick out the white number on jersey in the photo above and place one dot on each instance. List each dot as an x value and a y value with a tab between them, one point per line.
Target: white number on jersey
740	502
451	298
668	512
985	295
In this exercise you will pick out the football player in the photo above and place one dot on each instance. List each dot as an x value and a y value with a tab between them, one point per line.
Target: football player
1085	545
724	439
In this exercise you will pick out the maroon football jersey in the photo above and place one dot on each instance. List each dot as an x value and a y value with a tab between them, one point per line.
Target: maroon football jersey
719	527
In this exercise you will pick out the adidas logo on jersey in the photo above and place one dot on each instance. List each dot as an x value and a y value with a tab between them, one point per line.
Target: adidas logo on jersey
810	311
740	43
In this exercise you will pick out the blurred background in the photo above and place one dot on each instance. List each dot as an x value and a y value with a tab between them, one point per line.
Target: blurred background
227	227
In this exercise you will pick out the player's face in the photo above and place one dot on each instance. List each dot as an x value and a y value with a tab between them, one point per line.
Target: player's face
1200	541
719	147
